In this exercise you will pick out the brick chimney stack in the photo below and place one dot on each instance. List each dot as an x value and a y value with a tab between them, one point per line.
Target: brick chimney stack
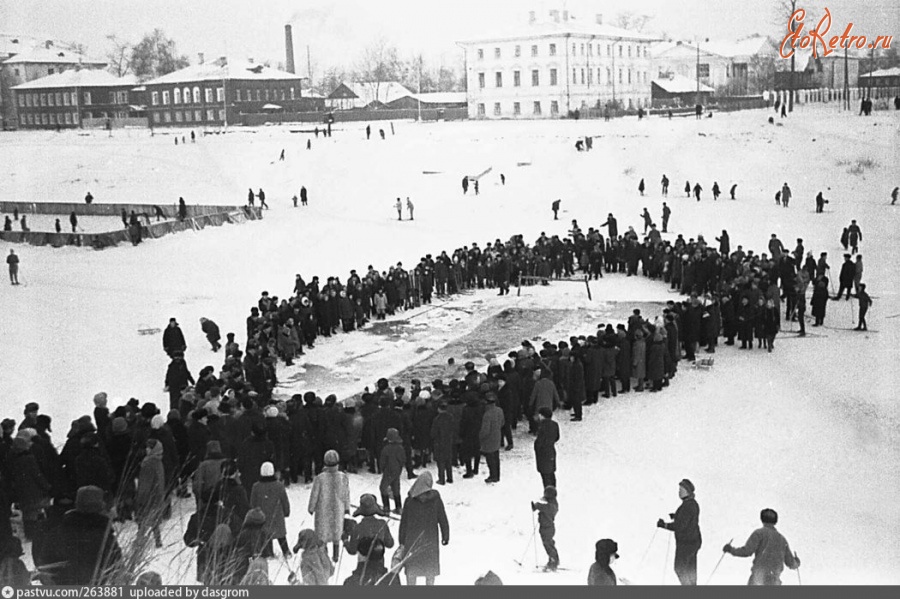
289	49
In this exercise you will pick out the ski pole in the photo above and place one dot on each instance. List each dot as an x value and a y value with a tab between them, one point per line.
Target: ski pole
665	565
718	563
799	580
534	536
649	545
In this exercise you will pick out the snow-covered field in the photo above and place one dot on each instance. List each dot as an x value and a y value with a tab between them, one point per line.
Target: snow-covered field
810	430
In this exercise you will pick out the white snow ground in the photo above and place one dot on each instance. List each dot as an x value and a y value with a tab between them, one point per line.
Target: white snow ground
810	430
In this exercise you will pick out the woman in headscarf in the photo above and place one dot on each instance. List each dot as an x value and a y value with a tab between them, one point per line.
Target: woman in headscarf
423	517
329	502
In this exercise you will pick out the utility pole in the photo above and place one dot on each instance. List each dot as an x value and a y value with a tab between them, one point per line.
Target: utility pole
846	80
309	66
419	95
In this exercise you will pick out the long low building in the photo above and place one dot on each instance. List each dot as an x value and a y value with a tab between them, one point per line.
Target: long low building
67	99
218	92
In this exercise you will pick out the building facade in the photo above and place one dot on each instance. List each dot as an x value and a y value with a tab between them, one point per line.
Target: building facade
547	69
24	63
68	99
217	93
738	67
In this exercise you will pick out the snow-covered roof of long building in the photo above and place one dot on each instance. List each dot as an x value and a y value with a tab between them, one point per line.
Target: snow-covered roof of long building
384	91
441	97
749	46
219	70
572	26
52	55
79	78
892	72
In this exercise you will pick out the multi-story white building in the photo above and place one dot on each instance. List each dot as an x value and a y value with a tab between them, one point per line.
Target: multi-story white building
551	66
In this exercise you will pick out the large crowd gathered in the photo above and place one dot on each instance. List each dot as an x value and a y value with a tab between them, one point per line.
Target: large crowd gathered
229	440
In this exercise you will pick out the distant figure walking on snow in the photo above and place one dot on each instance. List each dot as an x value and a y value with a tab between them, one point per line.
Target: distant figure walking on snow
555	208
251	197
715	190
73	220
785	195
262	199
410	207
733	189
88	198
465	185
641	187
399	207
697	190
281	158
303	196
687	188
13	261
665	185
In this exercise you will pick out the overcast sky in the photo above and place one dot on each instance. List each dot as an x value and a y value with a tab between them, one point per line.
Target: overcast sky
338	30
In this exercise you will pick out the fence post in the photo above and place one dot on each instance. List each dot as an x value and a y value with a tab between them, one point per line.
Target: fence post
586	284
519	291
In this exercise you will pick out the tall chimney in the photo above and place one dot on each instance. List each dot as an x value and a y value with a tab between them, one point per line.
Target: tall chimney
289	49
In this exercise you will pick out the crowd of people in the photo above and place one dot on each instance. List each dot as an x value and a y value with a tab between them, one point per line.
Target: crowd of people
229	441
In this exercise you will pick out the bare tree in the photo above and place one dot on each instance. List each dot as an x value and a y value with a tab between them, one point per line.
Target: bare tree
119	56
330	80
634	22
447	79
380	63
155	55
785	8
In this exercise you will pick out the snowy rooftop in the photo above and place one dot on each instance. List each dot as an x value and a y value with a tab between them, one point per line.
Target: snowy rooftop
231	70
573	26
441	97
750	46
893	72
53	55
79	78
676	84
385	91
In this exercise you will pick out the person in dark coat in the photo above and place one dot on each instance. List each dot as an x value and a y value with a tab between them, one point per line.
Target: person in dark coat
819	301
423	518
173	339
178	377
269	495
211	330
469	431
846	276
443	436
29	486
656	360
85	546
547	507
606	552
371	569
592	360
392	460
545	447
686	526
254	452
576	392
92	466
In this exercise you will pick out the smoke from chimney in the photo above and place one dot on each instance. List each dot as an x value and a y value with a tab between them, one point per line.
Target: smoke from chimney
289	49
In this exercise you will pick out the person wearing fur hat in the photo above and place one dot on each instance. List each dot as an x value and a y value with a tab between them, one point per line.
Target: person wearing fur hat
370	528
391	462
235	503
686	526
770	549
370	570
315	568
84	548
606	552
329	502
545	447
423	518
547	507
173	339
151	491
269	495
178	377
208	475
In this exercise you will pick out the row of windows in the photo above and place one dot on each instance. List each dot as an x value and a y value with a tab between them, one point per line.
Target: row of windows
189	116
587	77
588	49
517	108
64	118
56	99
189	95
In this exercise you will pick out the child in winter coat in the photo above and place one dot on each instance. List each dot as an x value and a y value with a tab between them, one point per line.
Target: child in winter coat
392	462
547	508
370	528
380	304
315	567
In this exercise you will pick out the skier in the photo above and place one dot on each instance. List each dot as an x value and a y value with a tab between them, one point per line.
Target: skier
410	207
733	189
697	190
606	552
368	131
555	208
686	526
770	550
303	196
88	198
399	207
846	276
665	185
785	195
855	236
687	188
647	220
465	185
641	187
666	213
57	226
864	303
281	158
715	190
845	239
211	330
545	446
502	179
13	261
894	195
547	507
73	220
262	199
820	203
